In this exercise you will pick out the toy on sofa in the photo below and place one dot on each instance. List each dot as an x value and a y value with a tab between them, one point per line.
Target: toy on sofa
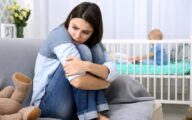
11	99
190	115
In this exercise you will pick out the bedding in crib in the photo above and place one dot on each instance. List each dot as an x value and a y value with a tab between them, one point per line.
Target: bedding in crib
123	67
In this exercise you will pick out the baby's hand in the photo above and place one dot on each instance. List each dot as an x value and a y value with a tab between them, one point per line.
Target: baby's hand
138	59
130	59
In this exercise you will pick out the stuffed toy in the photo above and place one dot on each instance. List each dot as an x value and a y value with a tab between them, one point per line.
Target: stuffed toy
190	115
11	99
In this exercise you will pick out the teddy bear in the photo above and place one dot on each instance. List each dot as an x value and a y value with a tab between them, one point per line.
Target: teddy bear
11	99
190	115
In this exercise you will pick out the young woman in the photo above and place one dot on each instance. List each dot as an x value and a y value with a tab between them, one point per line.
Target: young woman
73	67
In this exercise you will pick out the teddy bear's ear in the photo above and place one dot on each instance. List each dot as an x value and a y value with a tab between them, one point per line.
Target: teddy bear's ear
21	77
6	92
22	86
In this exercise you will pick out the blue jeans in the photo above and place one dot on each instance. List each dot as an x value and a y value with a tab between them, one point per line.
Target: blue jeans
64	101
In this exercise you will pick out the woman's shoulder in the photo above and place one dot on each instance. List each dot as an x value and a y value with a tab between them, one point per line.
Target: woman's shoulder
59	30
60	34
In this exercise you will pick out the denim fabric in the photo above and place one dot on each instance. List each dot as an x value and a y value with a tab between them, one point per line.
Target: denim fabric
89	102
62	100
58	101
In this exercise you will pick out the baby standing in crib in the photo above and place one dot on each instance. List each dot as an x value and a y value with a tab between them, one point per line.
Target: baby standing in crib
153	35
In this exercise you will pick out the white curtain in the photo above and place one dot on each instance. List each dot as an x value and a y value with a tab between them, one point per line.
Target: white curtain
130	19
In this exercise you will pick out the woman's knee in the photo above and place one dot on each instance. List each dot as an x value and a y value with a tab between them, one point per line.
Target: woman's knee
85	52
97	54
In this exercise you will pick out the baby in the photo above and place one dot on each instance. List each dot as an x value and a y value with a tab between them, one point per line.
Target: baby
153	35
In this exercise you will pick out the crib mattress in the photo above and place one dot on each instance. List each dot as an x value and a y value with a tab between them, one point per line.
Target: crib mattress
125	68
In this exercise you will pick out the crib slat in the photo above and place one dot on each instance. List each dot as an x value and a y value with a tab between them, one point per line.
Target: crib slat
120	47
190	91
147	50
134	58
183	82
140	47
162	71
127	64
176	71
169	77
154	65
114	51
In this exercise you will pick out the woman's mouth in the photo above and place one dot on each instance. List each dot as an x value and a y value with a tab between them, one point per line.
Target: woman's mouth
76	41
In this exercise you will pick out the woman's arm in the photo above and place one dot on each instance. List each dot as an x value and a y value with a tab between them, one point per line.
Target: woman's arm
89	82
101	71
77	66
107	71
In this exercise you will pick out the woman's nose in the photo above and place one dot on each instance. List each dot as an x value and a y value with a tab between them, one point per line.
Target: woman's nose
78	34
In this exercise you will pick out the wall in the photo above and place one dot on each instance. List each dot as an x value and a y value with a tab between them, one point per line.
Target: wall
133	19
4	14
125	19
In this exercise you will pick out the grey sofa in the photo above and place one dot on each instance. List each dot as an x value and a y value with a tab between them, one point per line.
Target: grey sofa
19	55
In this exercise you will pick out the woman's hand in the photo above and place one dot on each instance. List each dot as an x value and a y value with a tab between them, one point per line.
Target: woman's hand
75	66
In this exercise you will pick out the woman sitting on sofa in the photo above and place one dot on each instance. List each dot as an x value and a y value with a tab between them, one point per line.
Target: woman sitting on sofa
73	67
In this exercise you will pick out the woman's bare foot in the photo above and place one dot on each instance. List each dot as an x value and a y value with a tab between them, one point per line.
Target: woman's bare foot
101	117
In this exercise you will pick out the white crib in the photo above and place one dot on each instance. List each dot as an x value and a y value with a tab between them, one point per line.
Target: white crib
171	86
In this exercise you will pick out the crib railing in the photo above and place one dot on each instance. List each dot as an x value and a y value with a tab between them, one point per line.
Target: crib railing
168	83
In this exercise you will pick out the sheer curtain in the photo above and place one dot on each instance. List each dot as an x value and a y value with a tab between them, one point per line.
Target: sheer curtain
131	19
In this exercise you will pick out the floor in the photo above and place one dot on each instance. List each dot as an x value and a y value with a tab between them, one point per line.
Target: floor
174	112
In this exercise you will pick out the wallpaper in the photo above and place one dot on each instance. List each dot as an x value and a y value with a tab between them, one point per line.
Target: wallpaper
4	13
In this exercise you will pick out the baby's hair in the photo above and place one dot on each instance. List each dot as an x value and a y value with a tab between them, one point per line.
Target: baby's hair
155	34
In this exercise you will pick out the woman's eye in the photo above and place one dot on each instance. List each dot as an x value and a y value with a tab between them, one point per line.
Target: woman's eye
75	28
86	33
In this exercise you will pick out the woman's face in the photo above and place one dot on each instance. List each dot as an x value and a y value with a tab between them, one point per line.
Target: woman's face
80	30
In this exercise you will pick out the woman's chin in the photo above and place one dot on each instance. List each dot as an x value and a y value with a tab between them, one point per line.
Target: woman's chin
75	43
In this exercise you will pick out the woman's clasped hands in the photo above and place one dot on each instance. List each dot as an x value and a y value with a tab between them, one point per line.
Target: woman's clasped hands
74	66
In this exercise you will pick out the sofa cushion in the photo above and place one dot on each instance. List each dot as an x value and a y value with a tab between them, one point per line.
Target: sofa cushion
126	90
18	55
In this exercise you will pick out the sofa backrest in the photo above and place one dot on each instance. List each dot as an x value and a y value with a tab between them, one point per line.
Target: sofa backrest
18	55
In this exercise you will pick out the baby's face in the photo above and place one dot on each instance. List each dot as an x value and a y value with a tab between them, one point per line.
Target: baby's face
154	38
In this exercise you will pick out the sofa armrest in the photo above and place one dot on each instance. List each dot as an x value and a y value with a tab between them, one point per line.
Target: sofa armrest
157	111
